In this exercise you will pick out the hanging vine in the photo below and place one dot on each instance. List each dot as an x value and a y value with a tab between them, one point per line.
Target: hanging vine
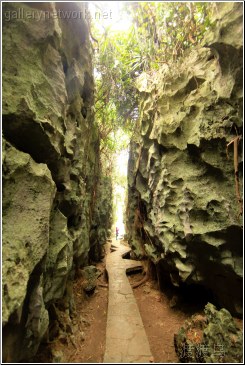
235	141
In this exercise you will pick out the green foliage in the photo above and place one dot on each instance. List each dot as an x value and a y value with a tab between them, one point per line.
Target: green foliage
160	33
116	96
165	29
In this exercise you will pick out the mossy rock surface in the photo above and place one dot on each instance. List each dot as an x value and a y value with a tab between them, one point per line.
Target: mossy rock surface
50	169
183	212
210	338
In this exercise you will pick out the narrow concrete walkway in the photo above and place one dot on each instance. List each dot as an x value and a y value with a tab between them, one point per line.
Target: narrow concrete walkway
126	340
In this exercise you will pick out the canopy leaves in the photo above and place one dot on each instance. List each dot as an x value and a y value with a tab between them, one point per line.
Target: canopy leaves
160	33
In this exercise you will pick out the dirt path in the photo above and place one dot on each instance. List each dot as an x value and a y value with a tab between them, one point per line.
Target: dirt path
86	343
94	311
160	320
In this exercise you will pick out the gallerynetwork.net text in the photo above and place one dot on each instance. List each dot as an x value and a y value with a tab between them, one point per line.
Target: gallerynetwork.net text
22	13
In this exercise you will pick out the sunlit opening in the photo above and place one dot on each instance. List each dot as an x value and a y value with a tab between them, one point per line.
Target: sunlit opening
110	18
109	15
120	190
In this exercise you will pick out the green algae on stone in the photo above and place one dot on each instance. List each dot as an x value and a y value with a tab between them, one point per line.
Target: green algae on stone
210	338
180	182
27	200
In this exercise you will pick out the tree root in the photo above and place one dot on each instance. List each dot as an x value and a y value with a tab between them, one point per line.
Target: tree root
142	281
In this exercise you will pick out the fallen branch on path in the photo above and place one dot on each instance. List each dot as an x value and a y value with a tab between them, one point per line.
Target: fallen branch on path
103	285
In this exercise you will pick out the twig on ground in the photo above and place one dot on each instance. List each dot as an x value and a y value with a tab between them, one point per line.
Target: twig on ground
103	285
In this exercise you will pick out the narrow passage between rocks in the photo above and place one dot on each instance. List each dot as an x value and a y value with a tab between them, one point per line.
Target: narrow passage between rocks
125	120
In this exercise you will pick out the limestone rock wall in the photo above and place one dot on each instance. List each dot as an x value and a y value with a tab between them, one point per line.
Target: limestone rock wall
183	212
50	164
102	216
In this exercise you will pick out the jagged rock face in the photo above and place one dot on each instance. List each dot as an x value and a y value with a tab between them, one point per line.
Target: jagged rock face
102	216
183	212
28	194
51	157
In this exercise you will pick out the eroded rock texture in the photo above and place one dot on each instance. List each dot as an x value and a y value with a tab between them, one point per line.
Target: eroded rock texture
183	212
210	338
50	165
102	215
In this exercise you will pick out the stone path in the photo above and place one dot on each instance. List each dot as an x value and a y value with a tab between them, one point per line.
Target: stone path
126	340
